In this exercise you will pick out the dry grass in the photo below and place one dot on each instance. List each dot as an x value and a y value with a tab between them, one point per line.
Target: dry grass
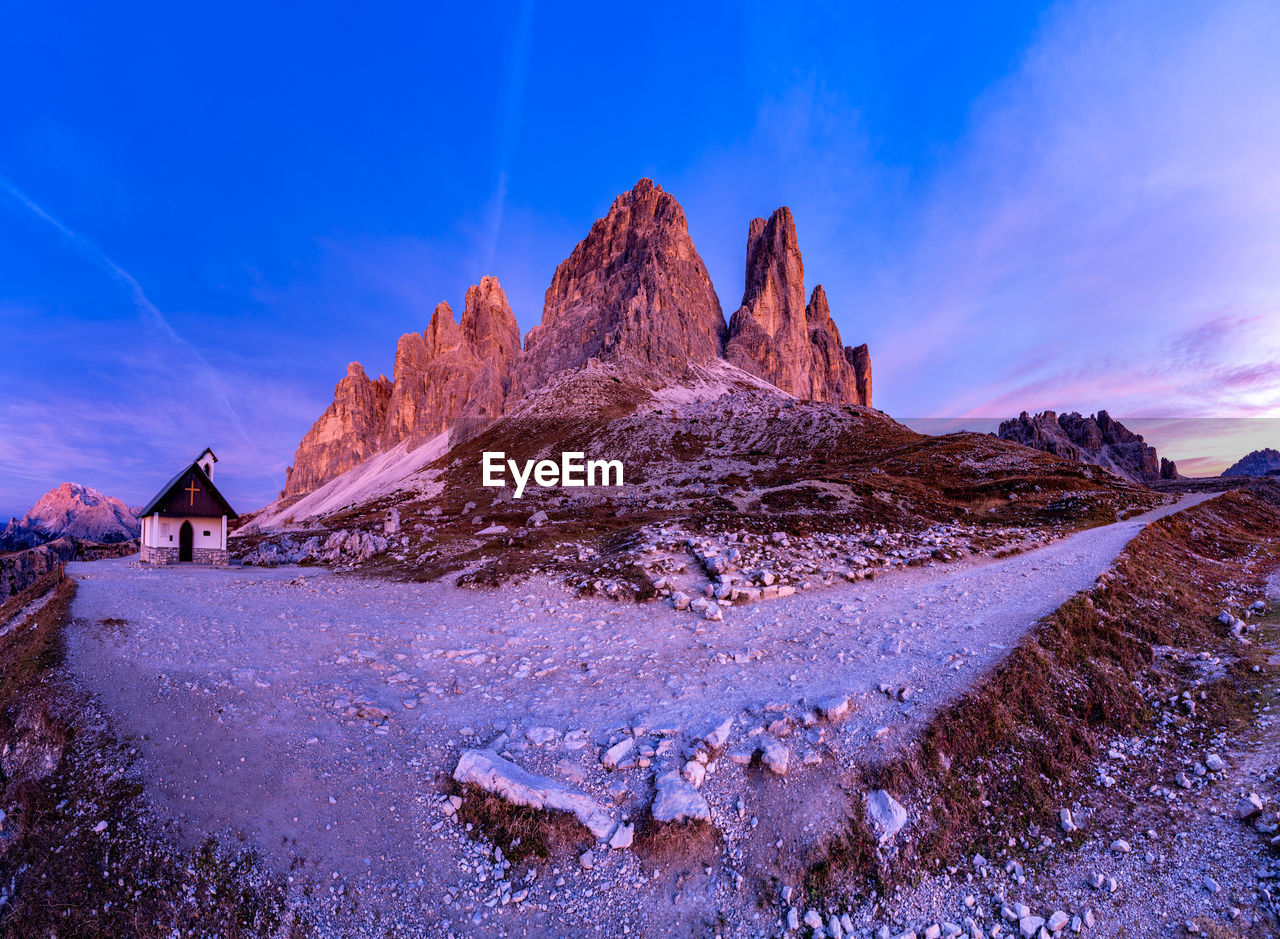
521	832
1013	747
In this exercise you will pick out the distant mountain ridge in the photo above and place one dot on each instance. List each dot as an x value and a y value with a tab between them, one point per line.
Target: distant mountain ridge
634	291
1265	462
71	510
1099	439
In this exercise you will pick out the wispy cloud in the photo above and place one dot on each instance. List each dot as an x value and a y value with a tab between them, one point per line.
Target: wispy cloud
1118	198
144	391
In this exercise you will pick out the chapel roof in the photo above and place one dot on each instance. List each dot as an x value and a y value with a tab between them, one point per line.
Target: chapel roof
190	492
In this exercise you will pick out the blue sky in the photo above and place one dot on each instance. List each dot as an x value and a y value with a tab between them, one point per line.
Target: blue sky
205	213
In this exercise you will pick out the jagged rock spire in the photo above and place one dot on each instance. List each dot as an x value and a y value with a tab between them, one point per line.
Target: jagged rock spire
635	287
776	335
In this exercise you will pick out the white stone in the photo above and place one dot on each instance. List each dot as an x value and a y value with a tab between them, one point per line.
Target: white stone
618	752
677	801
1120	846
720	736
885	813
1028	926
775	756
1249	806
833	707
541	735
1057	921
813	919
681	600
503	778
1214	763
623	837
695	773
1066	822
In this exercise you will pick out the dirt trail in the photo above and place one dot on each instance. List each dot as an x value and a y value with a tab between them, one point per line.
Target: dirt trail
236	685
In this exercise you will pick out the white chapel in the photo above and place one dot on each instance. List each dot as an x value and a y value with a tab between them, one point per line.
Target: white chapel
187	520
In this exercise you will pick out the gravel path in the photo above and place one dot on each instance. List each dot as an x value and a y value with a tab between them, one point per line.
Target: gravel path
315	715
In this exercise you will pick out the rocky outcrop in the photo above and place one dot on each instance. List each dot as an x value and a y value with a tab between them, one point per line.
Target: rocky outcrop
454	372
490	772
776	335
1264	462
1100	440
1168	469
71	510
634	288
20	569
347	433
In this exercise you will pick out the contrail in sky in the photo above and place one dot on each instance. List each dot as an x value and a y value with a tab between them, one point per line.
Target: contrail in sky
149	311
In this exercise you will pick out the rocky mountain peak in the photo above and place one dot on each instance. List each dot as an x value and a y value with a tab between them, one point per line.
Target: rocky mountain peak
1099	439
776	335
75	510
443	333
488	323
634	288
344	435
1265	462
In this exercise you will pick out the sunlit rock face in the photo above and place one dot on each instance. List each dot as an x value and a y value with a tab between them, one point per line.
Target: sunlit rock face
634	288
777	335
75	510
635	293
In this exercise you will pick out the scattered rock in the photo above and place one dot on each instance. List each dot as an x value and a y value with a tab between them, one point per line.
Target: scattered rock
1249	806
833	707
775	756
618	752
623	837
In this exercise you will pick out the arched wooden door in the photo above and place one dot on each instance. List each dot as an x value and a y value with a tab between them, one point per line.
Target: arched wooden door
186	541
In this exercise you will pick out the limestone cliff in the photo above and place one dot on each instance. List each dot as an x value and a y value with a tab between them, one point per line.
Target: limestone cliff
1100	439
635	287
347	433
776	335
635	292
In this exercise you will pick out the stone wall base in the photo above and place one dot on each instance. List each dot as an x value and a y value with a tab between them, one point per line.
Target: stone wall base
150	555
167	555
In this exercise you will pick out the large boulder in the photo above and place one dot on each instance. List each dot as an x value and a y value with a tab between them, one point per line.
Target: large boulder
517	785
